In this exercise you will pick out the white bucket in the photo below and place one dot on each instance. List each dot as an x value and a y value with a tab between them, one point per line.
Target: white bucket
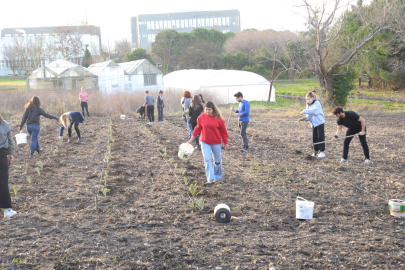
304	209
21	138
185	150
123	116
397	208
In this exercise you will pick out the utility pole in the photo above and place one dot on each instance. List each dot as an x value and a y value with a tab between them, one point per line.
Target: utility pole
272	73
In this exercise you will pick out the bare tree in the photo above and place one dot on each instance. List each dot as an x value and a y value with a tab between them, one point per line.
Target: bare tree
38	50
121	47
323	21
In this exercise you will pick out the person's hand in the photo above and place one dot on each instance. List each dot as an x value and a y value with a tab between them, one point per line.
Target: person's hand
10	159
183	118
333	139
20	130
301	113
237	114
226	146
362	133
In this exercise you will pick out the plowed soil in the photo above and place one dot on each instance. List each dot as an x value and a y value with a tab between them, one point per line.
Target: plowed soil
65	222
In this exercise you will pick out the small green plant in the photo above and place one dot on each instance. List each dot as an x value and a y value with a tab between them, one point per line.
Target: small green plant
171	160
185	181
38	170
39	163
201	203
175	165
29	179
158	141
60	142
193	191
104	191
109	150
107	158
183	171
16	189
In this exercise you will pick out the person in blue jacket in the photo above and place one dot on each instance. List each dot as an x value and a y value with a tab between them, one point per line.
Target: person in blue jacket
243	116
314	115
67	120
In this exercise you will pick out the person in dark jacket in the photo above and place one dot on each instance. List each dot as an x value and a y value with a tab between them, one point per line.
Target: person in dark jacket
141	111
67	120
6	158
160	106
194	111
202	100
32	113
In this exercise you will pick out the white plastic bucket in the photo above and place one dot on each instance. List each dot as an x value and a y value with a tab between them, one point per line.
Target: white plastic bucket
304	209
21	138
397	208
123	116
185	151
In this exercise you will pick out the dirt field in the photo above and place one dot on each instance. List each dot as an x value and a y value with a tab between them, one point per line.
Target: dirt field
58	227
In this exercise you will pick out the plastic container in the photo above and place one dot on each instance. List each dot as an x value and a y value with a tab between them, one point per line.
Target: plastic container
397	207
123	116
304	209
21	138
222	213
185	151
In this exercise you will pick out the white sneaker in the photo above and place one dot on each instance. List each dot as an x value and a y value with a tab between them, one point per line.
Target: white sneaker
367	161
9	213
321	155
313	155
211	181
343	161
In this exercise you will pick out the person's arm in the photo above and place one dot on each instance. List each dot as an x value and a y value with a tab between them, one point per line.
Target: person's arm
363	126
316	109
61	131
80	96
197	130
245	109
24	119
338	132
87	97
11	146
43	113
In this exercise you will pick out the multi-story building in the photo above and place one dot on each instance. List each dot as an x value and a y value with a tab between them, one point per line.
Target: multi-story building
62	42
145	27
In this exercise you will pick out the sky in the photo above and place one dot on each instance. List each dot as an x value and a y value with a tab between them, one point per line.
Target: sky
114	17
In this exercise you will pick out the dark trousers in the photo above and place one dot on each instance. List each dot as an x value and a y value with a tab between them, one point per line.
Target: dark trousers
243	126
363	142
84	105
160	114
150	110
5	199
76	128
318	135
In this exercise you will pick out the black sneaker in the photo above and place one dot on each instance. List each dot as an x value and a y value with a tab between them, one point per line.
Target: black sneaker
79	140
40	151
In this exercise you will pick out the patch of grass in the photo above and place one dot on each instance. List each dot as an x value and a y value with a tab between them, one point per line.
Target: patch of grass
13	83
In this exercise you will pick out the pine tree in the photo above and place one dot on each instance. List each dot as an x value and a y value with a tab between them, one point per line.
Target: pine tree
86	62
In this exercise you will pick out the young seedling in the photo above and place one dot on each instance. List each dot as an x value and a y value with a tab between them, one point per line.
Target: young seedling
158	141
183	171
60	142
201	203
105	191
39	163
29	179
107	157
185	181
16	189
175	165
38	170
109	150
193	191
171	160
105	177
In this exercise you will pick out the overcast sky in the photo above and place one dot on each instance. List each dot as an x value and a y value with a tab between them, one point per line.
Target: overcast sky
114	17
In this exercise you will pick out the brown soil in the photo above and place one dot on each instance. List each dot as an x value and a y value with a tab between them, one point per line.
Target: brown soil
58	227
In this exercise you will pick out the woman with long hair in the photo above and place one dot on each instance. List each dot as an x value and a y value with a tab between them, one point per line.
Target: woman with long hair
67	120
194	111
212	128
32	113
186	101
6	158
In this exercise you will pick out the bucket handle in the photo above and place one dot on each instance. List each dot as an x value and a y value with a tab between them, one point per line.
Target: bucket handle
302	199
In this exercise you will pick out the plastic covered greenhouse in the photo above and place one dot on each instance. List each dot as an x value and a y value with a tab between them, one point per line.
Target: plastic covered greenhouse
221	83
61	75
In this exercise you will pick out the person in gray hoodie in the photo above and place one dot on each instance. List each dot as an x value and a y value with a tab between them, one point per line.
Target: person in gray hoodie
6	158
186	101
149	107
32	113
314	114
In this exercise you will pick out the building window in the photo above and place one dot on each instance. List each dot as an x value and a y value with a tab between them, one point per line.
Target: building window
223	21
199	22
152	25
149	79
202	22
190	23
186	23
181	23
207	21
194	22
157	25
161	24
227	21
149	37
148	25
165	24
178	24
215	21
174	23
211	22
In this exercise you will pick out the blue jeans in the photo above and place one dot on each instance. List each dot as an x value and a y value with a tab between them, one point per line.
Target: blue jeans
34	133
213	173
190	128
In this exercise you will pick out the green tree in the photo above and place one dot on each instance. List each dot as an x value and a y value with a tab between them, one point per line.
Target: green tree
138	54
86	61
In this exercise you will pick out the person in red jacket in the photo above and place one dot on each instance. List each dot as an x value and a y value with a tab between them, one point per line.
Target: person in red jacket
212	128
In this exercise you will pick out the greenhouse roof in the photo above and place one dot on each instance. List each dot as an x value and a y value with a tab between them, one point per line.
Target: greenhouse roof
131	68
97	68
60	68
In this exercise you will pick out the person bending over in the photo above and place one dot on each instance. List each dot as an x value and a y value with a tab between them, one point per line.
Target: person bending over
67	120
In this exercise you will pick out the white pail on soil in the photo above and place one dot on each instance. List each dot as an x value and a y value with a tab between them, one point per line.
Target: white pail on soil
123	116
185	150
397	208
21	138
304	209
222	213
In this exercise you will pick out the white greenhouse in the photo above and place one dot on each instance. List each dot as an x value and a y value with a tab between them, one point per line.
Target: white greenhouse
142	75
223	84
110	76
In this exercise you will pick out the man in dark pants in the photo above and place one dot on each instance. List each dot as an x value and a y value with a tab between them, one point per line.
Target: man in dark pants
150	108
356	125
160	105
243	117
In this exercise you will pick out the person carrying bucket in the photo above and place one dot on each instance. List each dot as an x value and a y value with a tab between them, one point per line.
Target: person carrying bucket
194	111
314	114
67	120
83	97
356	125
213	129
32	113
243	117
6	158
